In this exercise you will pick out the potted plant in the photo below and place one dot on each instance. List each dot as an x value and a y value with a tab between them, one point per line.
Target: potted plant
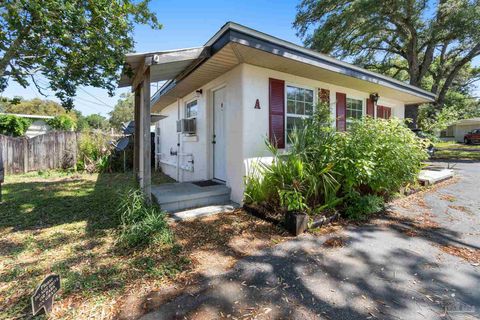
296	217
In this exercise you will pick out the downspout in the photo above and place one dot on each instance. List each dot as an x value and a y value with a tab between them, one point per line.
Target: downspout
178	141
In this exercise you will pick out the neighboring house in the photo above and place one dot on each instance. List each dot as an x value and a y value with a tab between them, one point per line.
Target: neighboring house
245	86
458	130
39	124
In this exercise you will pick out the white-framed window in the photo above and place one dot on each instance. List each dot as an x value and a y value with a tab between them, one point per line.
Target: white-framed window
191	109
299	105
354	110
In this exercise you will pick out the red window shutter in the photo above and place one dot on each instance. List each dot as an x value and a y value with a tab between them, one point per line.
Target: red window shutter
341	111
370	108
324	95
387	112
384	112
277	113
381	112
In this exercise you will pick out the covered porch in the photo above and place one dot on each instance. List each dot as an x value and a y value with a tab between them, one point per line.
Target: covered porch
140	71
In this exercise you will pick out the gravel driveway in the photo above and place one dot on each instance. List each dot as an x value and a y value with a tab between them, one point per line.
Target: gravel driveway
419	262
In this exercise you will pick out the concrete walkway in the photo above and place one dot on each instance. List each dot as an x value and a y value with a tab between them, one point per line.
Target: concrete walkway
391	268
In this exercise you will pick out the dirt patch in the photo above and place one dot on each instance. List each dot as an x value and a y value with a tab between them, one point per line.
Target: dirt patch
212	245
470	255
448	197
335	242
461	208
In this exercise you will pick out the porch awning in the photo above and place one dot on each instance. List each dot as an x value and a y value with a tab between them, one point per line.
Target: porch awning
164	65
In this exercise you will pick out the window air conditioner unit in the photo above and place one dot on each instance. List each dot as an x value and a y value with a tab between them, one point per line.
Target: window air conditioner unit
187	126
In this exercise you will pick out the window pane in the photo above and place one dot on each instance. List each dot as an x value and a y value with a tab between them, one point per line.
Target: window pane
290	123
300	108
191	109
291	92
309	96
299	95
308	109
354	109
290	106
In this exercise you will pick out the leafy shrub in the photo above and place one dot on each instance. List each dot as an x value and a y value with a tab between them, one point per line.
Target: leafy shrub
141	223
303	177
360	207
323	167
292	200
62	123
93	152
378	156
12	125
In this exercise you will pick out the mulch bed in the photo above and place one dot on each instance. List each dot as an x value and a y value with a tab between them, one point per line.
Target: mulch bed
470	255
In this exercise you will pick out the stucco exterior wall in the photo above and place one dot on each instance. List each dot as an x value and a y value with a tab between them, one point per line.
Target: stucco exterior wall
247	127
199	147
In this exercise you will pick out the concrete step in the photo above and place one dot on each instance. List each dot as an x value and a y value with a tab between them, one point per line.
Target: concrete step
434	175
174	197
196	213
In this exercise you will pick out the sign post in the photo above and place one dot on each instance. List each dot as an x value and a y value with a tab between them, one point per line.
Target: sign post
44	294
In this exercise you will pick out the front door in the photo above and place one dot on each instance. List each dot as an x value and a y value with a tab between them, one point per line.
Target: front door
219	167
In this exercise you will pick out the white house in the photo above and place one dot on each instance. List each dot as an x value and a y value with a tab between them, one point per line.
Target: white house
244	86
39	124
459	129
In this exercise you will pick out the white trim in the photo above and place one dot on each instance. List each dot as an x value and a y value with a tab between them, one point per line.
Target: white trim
185	108
290	45
293	115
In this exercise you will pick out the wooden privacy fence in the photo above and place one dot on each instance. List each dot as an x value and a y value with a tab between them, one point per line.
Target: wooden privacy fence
53	150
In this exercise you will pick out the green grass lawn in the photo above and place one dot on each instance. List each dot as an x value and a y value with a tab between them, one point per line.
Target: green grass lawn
453	150
65	223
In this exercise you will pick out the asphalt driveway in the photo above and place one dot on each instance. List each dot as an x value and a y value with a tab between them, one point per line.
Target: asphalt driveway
418	262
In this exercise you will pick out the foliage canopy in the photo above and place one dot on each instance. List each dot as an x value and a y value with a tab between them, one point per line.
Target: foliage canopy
429	43
68	42
12	125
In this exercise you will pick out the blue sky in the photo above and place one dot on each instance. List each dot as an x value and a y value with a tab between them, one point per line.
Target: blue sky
188	23
185	24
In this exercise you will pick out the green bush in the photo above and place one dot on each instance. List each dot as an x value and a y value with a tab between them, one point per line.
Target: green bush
378	156
93	152
12	125
322	167
360	207
62	123
141	223
305	171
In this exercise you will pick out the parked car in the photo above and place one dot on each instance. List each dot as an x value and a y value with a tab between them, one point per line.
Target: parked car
472	137
430	148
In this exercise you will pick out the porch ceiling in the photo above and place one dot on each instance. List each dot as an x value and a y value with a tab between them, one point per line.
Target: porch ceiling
164	65
215	66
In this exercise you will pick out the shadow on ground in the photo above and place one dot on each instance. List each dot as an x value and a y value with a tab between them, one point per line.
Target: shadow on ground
390	268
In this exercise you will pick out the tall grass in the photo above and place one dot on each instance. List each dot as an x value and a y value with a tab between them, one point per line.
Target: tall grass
141	223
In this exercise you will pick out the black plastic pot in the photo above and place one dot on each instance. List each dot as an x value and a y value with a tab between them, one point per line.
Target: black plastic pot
296	222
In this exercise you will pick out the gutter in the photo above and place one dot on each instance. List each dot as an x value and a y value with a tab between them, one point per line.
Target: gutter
233	32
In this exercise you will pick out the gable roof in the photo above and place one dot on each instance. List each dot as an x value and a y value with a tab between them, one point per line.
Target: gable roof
235	43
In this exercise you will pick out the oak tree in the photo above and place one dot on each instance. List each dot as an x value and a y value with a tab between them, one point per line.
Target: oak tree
427	43
68	42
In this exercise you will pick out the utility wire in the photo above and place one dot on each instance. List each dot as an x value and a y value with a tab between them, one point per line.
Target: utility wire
93	96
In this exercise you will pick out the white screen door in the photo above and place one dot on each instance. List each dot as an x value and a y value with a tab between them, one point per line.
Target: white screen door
219	167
